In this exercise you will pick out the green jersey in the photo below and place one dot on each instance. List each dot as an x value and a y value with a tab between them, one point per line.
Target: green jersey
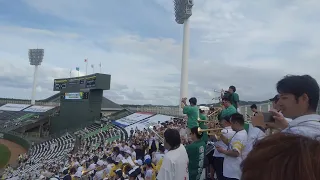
196	158
234	99
203	126
193	114
228	111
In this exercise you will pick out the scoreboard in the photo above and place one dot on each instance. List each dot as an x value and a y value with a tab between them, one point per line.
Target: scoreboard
94	81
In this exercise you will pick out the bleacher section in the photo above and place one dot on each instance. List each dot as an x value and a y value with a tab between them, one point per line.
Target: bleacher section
13	116
132	119
94	134
150	121
49	151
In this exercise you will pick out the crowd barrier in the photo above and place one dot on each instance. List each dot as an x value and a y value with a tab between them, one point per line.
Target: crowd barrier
177	112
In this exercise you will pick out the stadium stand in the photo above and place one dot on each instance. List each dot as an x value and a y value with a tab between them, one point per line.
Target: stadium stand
43	154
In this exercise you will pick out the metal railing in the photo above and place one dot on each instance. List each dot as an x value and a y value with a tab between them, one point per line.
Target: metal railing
175	111
39	103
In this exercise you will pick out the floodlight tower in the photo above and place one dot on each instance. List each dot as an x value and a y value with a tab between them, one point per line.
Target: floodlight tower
183	11
35	58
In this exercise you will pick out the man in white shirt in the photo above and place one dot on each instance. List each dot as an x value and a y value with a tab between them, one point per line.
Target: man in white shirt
298	100
175	162
218	157
235	147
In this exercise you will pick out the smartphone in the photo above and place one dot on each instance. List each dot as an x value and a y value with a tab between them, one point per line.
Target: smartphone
268	117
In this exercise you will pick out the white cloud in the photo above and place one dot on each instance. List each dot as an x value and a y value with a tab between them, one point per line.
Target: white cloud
248	44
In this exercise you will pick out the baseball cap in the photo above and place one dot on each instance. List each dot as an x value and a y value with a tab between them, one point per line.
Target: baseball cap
139	162
275	98
147	161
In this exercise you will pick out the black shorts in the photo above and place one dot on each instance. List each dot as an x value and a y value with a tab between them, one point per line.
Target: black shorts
210	157
218	167
225	178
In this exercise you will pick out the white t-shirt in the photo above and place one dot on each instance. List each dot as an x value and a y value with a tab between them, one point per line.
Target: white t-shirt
307	125
129	160
108	168
228	133
148	174
91	167
254	134
158	156
175	165
231	165
134	155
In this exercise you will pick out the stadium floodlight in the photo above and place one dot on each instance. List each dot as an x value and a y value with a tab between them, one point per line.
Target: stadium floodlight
35	58
183	11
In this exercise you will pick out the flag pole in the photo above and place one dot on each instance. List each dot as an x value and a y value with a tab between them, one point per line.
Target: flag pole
100	67
70	72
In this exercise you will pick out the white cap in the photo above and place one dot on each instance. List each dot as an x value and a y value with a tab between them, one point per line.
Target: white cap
78	174
139	162
147	156
100	163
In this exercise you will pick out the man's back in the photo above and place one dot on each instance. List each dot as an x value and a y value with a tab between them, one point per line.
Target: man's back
196	158
228	111
193	113
174	165
234	99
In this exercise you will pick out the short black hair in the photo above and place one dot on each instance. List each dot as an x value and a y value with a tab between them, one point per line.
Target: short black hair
233	88
237	117
194	130
172	137
193	101
226	118
95	159
253	106
227	98
299	85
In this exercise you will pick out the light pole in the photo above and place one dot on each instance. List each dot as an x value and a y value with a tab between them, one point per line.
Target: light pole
183	11
35	58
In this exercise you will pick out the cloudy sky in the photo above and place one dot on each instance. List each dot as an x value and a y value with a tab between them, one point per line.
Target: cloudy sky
249	44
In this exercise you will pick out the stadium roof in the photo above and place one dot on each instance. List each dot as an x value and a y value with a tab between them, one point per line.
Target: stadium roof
106	104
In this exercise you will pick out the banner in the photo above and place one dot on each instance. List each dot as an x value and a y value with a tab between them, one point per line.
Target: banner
151	121
132	119
39	109
14	107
